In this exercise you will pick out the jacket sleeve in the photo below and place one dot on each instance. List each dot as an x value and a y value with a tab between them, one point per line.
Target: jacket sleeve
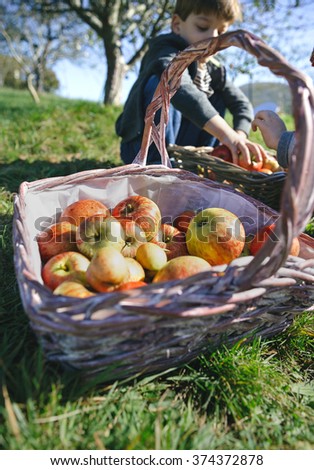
239	106
192	102
285	148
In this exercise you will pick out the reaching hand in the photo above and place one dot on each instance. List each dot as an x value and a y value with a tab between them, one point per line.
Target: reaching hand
245	153
271	127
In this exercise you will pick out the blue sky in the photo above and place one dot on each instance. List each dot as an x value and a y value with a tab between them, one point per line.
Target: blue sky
86	82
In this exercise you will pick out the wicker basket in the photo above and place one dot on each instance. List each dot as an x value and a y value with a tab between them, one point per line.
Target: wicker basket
265	188
161	326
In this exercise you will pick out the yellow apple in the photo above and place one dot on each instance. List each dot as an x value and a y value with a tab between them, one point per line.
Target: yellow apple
73	289
107	269
136	270
181	267
151	256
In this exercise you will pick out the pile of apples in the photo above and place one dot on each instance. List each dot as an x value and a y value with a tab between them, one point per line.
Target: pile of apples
95	249
269	166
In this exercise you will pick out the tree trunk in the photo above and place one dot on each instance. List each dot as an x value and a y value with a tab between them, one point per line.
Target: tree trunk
116	71
31	88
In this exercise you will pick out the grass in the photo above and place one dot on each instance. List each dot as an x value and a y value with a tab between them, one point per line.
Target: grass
252	396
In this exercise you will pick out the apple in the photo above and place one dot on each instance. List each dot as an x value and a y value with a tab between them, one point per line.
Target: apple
151	256
180	268
223	152
271	163
182	220
107	269
134	236
69	265
76	212
99	231
143	210
136	270
73	289
268	232
131	285
215	234
55	239
171	240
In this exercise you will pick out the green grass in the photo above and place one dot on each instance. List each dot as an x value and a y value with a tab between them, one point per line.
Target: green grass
252	396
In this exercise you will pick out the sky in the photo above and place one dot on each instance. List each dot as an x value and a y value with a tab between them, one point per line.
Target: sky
87	81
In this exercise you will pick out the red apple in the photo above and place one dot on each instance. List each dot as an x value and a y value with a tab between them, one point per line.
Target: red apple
99	231
151	256
223	152
268	232
76	212
181	222
73	289
181	267
107	269
134	236
66	266
142	210
56	239
171	240
131	285
217	235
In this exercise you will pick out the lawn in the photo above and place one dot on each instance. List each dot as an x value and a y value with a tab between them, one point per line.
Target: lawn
251	396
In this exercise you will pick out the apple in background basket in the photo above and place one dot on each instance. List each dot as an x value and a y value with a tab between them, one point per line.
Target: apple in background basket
73	289
171	240
267	232
76	212
180	268
181	221
217	235
107	269
99	231
142	210
223	152
67	266
134	236
55	239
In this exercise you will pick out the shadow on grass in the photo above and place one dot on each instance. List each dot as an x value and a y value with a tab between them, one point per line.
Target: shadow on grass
13	174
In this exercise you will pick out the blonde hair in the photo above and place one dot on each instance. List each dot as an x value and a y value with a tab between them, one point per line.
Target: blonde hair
228	10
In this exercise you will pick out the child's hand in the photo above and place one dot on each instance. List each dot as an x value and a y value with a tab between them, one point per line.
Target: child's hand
271	127
244	152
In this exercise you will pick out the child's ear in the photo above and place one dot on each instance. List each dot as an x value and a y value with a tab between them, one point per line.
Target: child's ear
176	23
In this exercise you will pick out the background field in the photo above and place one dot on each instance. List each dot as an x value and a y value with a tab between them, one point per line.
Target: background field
253	396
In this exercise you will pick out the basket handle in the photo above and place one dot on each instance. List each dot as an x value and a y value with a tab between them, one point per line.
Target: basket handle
297	201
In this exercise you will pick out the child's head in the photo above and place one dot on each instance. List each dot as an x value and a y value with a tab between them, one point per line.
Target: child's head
196	20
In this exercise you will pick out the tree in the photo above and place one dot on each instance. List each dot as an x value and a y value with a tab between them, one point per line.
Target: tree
37	40
124	27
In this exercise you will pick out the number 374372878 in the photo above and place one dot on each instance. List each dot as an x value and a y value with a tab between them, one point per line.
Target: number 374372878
227	459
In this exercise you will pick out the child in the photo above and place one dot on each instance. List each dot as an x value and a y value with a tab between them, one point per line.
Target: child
275	135
198	107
